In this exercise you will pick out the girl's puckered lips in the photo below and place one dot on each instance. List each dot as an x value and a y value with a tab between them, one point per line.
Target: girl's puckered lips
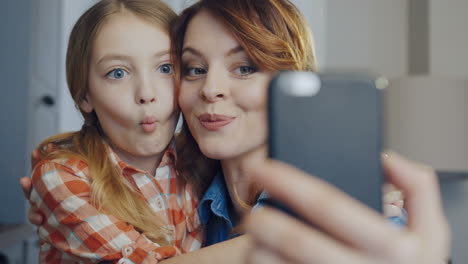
214	122
149	124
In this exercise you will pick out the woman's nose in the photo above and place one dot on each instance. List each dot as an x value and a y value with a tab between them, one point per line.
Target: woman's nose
215	88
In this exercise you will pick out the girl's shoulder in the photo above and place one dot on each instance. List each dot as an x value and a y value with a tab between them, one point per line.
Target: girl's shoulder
62	165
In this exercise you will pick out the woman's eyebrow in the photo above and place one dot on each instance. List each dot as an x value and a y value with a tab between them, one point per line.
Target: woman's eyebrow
193	51
229	53
234	51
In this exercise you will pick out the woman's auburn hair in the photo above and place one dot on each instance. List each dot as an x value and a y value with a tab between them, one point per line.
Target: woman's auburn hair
109	191
275	36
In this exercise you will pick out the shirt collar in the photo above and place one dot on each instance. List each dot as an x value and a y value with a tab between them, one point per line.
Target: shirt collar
215	201
169	158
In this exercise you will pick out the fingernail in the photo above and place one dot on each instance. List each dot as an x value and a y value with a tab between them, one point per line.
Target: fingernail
388	153
385	155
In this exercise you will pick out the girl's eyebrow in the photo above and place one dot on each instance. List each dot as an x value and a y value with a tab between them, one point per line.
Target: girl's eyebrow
112	57
161	54
121	57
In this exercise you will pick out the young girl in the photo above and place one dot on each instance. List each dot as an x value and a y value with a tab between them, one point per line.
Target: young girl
109	192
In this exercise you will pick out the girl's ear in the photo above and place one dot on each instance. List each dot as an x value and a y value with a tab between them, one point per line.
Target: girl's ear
87	105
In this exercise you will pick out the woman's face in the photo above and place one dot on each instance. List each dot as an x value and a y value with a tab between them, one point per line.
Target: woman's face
131	86
223	95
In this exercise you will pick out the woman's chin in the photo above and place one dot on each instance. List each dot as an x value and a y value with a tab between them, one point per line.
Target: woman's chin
217	152
217	155
230	149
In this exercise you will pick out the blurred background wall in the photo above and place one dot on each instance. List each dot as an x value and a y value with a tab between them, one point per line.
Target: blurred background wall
393	38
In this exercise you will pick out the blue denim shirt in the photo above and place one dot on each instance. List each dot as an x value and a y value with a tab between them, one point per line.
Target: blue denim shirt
219	217
214	211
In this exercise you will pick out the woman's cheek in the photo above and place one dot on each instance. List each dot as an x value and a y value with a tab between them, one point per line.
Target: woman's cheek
185	100
253	98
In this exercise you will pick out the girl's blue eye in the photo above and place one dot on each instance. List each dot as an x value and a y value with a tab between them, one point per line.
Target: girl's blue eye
245	70
166	68
117	74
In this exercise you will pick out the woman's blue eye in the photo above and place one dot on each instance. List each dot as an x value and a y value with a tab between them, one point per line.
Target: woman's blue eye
117	74
245	70
166	68
195	71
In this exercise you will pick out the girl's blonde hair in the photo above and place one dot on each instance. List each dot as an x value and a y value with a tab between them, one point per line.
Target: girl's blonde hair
110	193
275	36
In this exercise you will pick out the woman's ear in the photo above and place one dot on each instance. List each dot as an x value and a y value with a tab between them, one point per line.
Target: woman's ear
87	105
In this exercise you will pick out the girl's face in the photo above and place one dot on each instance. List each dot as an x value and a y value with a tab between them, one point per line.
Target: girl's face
131	86
223	95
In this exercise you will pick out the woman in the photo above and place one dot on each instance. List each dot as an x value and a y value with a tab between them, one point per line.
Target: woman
223	79
226	53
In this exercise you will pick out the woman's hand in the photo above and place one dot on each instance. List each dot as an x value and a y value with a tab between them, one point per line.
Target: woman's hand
349	231
34	216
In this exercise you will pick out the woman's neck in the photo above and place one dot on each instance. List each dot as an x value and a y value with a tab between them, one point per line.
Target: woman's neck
234	174
148	164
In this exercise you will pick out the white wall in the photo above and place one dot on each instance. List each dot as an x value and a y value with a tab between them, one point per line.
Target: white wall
367	34
448	56
69	117
359	34
315	12
448	37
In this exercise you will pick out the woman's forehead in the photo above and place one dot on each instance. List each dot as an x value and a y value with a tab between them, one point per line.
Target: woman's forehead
205	32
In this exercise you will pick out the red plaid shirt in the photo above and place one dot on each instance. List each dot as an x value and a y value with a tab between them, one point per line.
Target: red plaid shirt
74	231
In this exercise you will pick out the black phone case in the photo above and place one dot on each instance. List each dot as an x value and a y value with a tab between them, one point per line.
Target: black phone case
335	134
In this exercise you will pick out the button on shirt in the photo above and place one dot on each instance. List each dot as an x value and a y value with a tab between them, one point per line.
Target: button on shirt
74	231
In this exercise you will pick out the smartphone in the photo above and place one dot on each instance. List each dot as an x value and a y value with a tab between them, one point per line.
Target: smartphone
329	125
